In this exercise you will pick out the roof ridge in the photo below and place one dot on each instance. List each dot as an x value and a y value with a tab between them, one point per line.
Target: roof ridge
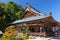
32	7
37	16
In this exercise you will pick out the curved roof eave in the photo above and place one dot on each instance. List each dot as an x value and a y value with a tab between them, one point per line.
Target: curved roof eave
30	19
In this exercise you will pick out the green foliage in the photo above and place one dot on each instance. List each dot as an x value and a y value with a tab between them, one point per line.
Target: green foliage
12	38
9	12
13	11
25	36
4	38
25	29
22	36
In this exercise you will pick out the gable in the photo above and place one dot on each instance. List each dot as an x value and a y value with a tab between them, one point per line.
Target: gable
28	14
30	11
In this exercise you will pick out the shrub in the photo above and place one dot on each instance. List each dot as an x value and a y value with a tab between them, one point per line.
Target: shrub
10	32
22	36
4	38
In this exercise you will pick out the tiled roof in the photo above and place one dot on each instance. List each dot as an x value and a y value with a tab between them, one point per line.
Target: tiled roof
36	11
33	9
33	17
30	19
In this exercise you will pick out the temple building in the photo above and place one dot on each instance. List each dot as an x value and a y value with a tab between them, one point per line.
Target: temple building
39	24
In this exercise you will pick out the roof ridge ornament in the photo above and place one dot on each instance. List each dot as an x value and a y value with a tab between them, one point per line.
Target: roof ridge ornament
50	13
27	5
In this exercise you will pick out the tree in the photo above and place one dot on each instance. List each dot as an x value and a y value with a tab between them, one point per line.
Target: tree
10	11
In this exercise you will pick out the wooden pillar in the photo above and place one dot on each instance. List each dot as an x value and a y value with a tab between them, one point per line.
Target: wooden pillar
40	29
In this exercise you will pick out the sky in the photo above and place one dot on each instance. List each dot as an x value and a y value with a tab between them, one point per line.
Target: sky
44	6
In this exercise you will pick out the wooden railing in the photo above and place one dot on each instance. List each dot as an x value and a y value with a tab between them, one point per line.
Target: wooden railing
41	34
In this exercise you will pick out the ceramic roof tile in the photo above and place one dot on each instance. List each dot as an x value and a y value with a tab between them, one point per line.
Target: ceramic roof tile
30	19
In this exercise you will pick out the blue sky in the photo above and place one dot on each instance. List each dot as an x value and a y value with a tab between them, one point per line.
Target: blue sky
44	6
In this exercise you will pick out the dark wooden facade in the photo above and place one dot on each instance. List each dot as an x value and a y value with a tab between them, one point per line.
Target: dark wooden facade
38	27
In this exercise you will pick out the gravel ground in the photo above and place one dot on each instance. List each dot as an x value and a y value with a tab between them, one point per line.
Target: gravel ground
39	38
